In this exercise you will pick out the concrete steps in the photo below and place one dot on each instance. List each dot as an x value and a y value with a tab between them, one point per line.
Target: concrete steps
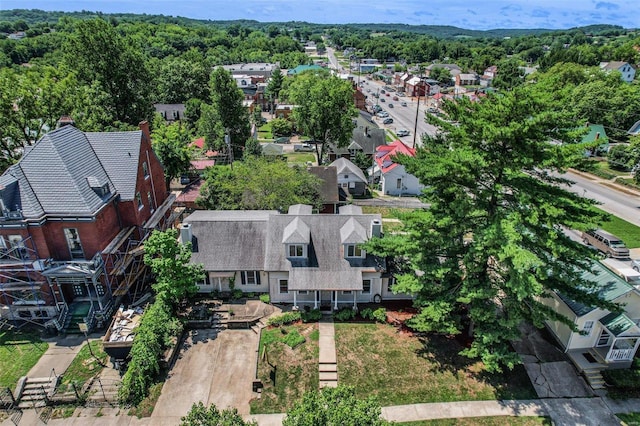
35	391
594	378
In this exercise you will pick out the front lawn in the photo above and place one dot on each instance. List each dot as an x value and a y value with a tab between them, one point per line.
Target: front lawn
400	368
264	131
286	372
627	232
84	366
385	212
300	157
19	352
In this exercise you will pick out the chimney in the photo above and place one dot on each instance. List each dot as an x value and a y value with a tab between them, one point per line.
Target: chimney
587	125
144	126
185	233
376	228
65	120
597	135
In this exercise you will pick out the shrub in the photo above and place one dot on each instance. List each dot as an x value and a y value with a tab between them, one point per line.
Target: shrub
265	298
293	339
286	318
367	313
344	314
380	315
311	316
619	157
623	379
236	294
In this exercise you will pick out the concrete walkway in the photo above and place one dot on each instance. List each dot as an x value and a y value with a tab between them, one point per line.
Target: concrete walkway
327	363
58	357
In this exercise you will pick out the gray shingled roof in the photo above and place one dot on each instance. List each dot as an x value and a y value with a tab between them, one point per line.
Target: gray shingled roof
296	232
229	240
352	232
119	153
366	135
345	166
329	183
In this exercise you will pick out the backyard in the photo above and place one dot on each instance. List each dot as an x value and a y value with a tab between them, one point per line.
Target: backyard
401	368
19	351
288	367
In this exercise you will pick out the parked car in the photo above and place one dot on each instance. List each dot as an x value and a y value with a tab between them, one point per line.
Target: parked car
303	147
432	110
402	132
635	264
283	139
390	105
395	98
382	91
607	243
381	99
387	120
403	103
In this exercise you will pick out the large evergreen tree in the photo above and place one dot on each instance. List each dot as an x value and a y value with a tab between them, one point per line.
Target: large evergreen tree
492	243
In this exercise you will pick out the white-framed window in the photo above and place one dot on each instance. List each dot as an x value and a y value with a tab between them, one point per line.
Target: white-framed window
297	250
390	283
150	200
16	241
73	242
284	286
145	169
353	250
100	289
139	201
588	327
603	340
250	278
366	286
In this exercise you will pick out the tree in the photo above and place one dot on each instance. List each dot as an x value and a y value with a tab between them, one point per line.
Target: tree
324	109
492	243
274	86
180	80
441	75
258	184
509	74
175	277
171	144
98	53
281	127
226	99
199	415
333	407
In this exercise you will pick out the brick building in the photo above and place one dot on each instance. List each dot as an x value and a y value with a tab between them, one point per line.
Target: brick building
74	211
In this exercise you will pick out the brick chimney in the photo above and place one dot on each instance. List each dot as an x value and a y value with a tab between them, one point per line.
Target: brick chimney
144	126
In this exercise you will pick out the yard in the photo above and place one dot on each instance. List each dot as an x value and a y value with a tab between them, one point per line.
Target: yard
628	232
300	157
84	366
400	368
288	367
19	351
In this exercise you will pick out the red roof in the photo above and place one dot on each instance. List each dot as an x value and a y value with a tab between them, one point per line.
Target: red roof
202	164
189	194
200	144
438	96
385	154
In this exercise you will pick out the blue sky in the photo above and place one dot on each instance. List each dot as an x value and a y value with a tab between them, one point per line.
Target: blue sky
482	15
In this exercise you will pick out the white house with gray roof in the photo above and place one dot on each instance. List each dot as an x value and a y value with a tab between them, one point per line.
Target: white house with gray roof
350	177
300	258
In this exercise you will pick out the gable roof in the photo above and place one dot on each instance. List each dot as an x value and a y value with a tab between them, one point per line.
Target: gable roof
329	183
344	166
384	155
596	132
366	136
619	324
51	177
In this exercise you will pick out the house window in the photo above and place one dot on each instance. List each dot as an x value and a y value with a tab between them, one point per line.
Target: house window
145	169
250	277
284	286
390	283
346	176
73	242
139	200
150	200
3	243
296	250
100	289
366	286
354	251
78	289
588	327
398	183
17	246
603	340
346	291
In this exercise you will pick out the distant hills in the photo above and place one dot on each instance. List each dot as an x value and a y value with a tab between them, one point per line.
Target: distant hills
36	16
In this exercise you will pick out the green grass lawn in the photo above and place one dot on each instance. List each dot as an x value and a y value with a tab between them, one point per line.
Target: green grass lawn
630	419
264	131
403	369
286	372
483	421
384	211
300	157
18	353
628	232
84	366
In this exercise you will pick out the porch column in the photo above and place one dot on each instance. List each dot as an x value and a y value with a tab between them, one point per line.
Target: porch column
355	296
220	284
89	292
295	293
95	287
315	299
335	293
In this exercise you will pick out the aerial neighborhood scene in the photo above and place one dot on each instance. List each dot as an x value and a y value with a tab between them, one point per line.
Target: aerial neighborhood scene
319	213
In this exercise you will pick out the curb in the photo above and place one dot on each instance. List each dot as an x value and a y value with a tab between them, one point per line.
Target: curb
609	184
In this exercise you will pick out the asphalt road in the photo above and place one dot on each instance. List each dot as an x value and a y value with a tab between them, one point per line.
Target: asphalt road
625	205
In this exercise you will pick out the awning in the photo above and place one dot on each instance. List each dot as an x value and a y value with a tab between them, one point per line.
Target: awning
313	279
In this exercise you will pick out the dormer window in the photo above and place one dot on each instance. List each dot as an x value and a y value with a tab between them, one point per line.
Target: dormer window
353	250
297	250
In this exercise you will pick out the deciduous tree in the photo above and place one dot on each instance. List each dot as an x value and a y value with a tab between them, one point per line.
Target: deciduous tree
226	99
199	415
171	144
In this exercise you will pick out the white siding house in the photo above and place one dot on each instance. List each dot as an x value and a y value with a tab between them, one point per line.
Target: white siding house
393	178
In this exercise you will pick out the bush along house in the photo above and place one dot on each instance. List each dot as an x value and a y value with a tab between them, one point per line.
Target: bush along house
74	212
300	258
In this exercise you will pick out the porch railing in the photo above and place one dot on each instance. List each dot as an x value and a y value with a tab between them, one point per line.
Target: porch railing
90	319
620	355
58	322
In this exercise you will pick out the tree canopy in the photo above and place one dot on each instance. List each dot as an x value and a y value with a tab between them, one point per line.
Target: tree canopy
324	109
492	244
171	144
258	184
199	415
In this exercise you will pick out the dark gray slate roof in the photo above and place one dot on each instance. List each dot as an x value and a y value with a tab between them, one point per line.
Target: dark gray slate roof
329	185
366	136
229	240
119	153
51	178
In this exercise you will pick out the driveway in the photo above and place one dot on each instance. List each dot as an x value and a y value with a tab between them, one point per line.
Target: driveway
213	367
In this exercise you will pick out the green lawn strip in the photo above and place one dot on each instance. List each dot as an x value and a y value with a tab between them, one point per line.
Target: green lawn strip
146	406
19	352
386	212
84	366
286	372
483	421
400	369
628	232
630	419
300	157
